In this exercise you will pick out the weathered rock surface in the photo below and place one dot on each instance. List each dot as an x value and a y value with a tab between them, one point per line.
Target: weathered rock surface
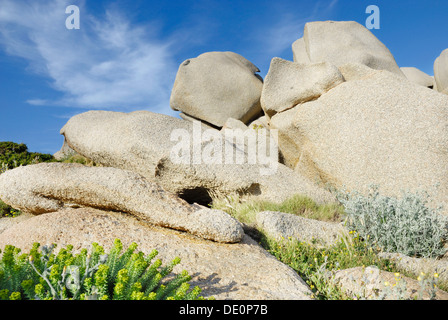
8	222
415	266
341	42
64	152
141	142
135	141
355	71
260	123
441	72
234	124
282	184
288	84
216	86
48	187
418	77
370	282
224	271
299	53
279	225
380	129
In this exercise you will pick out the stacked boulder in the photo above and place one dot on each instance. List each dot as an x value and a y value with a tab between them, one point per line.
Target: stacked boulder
362	123
342	42
216	86
379	130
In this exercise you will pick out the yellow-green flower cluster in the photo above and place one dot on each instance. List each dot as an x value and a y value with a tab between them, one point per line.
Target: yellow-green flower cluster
88	275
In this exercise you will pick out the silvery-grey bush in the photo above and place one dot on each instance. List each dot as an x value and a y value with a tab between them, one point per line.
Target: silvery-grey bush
406	225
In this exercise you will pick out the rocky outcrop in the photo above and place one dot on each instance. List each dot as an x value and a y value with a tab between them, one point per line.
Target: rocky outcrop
183	158
49	187
380	129
205	124
341	42
441	72
288	84
342	115
216	86
224	271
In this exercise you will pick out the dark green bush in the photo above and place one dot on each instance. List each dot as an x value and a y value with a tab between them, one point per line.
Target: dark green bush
15	155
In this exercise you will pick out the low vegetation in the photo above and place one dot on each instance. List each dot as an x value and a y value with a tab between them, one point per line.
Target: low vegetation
77	158
316	265
376	223
245	209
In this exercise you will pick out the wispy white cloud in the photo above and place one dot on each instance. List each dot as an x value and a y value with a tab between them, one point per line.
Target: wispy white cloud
287	26
109	63
332	4
114	63
282	34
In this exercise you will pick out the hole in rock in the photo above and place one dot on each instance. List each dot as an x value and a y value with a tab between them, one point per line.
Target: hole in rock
197	195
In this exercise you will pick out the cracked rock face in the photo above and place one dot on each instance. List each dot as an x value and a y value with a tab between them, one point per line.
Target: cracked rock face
49	187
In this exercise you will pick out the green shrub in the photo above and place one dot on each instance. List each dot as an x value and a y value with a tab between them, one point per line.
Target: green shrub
315	265
43	275
406	225
14	155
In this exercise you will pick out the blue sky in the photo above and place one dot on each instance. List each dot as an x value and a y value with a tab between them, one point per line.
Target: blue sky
125	55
